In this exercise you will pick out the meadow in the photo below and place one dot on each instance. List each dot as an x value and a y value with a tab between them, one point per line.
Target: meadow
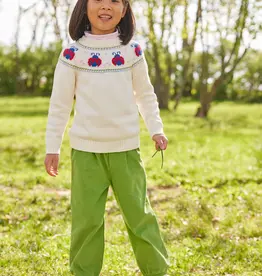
207	197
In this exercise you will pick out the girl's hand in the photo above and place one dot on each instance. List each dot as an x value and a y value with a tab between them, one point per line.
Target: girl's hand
51	164
161	141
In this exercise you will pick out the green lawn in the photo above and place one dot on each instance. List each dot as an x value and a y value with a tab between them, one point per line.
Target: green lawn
208	196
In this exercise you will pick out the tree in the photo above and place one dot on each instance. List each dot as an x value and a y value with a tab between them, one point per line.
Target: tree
185	79
229	54
21	12
158	46
170	63
56	12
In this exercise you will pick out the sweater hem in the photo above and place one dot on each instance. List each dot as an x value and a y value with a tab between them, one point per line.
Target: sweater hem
104	147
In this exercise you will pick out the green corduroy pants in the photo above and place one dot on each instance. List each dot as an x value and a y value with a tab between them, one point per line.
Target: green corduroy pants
92	174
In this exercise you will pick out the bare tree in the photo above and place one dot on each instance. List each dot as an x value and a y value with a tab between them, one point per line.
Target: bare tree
58	12
50	16
188	47
230	57
21	12
44	12
160	21
170	63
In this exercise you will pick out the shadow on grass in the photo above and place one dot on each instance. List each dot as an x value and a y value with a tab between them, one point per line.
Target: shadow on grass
218	183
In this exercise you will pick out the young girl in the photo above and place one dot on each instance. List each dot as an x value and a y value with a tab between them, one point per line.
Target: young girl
106	72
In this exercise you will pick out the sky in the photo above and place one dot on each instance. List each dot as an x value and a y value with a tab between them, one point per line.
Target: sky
8	14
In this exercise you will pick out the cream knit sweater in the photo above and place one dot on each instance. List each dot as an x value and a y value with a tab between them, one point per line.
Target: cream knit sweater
111	84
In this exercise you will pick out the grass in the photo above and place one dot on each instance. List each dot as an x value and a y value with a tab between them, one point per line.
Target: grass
207	197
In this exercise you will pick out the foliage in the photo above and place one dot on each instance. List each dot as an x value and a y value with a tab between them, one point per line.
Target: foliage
36	70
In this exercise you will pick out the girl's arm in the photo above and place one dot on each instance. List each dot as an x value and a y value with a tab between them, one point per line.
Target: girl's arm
60	107
146	98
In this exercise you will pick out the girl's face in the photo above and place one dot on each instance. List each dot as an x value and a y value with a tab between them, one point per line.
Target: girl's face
104	15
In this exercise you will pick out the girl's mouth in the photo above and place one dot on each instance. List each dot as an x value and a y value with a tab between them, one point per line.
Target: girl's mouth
105	18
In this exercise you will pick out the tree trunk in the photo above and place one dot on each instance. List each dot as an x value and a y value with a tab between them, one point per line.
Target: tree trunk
17	60
206	98
160	86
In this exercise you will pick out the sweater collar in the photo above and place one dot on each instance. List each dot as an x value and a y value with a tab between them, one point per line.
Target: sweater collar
100	41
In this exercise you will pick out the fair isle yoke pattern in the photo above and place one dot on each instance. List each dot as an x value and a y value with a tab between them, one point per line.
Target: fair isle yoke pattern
102	60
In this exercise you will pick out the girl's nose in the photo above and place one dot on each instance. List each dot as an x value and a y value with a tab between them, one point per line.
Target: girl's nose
106	7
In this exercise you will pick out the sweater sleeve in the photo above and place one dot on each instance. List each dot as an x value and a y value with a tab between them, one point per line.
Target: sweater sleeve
146	98
60	106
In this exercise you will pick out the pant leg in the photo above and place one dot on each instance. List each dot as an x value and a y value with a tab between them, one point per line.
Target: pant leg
129	186
89	190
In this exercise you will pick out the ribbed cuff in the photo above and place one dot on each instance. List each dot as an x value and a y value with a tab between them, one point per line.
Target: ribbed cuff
53	145
52	151
104	147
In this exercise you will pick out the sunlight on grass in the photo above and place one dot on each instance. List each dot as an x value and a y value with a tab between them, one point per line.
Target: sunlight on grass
207	197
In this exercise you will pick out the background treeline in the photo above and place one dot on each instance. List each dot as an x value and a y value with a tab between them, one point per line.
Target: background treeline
199	50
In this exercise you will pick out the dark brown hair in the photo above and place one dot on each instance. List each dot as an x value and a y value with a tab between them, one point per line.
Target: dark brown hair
79	22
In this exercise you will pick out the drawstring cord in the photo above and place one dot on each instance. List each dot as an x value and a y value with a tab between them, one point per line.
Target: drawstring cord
162	155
